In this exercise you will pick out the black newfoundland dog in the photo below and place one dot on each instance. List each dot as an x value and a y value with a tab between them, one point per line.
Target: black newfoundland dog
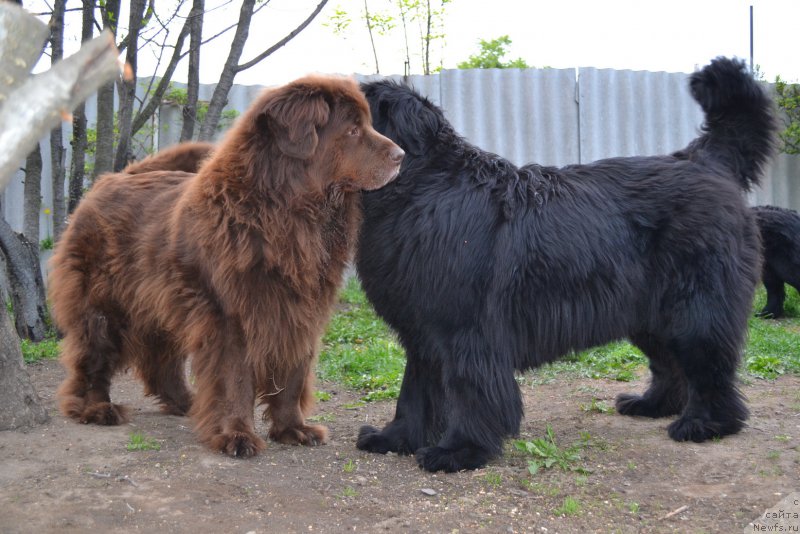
780	235
484	268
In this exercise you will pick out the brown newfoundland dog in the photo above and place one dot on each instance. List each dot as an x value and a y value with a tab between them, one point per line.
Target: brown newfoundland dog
236	266
181	157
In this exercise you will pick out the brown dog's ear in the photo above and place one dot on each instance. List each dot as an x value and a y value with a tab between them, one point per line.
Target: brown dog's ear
293	115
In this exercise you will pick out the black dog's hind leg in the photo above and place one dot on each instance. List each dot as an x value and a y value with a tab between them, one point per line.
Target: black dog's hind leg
666	394
715	406
776	294
416	414
483	406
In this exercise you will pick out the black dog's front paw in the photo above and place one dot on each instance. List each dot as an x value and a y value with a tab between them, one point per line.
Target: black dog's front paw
370	439
439	459
698	429
693	429
641	405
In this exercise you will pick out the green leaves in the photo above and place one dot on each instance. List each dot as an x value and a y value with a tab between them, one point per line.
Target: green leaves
546	453
788	100
140	442
491	54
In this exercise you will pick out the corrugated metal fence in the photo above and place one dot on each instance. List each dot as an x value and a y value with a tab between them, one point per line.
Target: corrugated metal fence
548	116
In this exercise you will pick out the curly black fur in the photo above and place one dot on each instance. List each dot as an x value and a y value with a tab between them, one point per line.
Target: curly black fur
484	268
780	236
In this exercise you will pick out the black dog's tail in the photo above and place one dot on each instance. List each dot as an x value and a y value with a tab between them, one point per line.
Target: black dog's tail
740	125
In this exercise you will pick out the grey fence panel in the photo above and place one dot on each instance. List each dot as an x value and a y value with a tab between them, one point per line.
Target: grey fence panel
547	116
780	185
524	115
13	204
428	86
632	113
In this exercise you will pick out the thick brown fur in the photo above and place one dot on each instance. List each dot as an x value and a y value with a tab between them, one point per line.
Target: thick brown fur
236	266
181	157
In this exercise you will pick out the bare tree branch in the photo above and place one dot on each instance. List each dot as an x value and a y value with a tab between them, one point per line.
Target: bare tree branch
44	100
282	42
155	99
220	96
193	77
28	109
20	49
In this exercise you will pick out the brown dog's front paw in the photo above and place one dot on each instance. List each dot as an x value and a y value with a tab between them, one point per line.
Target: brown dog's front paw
238	444
105	413
310	435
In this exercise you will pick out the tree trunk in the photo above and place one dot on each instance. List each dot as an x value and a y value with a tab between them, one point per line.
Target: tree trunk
371	38
220	97
28	109
193	82
57	152
427	61
77	173
128	93
231	69
26	284
104	151
146	113
33	194
22	407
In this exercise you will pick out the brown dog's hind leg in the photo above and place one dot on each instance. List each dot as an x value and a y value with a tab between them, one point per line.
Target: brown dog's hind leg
162	368
91	356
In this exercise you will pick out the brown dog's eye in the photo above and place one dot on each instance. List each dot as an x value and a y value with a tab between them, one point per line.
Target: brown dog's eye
355	131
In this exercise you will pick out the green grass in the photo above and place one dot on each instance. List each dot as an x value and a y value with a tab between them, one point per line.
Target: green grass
546	453
43	350
773	346
570	507
349	466
359	350
348	491
616	361
140	442
362	353
495	480
597	406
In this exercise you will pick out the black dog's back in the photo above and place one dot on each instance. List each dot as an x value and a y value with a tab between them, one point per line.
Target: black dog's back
484	268
780	238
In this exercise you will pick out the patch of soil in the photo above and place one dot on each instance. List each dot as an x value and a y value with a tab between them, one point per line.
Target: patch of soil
66	477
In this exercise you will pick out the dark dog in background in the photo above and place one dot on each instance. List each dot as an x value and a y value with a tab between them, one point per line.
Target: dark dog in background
237	266
185	157
483	268
780	238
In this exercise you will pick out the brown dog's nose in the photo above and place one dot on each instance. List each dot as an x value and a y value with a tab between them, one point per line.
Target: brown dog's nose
396	154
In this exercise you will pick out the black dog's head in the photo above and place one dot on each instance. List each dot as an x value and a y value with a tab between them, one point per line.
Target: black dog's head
404	116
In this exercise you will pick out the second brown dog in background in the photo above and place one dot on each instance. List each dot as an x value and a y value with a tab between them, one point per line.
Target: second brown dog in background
185	157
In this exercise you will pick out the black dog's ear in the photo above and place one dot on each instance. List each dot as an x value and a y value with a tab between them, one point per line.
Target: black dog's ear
293	116
404	117
416	124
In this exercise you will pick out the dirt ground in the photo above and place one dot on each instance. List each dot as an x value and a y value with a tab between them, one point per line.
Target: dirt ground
66	477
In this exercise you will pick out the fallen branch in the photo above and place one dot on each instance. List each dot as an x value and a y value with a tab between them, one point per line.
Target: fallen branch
676	512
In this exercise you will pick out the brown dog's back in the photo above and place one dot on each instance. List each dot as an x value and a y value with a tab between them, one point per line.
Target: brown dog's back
187	157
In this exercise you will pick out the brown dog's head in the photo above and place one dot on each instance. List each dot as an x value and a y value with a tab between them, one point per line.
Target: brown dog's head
321	126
